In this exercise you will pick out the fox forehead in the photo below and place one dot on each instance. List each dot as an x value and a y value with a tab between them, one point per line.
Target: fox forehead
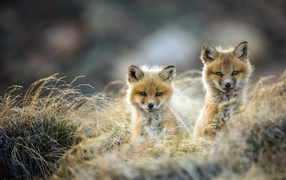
227	63
151	85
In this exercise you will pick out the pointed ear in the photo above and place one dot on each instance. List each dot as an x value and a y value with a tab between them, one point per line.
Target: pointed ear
134	74
241	51
208	54
168	73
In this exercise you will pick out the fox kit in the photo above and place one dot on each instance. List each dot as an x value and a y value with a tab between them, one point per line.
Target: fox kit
149	93
225	76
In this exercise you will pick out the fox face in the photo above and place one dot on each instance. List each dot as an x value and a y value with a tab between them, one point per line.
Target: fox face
226	70
150	89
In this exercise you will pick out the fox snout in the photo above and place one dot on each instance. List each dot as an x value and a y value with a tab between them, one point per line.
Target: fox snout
150	105
228	85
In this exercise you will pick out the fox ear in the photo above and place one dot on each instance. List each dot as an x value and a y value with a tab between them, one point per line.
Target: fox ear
241	51
134	74
168	73
208	54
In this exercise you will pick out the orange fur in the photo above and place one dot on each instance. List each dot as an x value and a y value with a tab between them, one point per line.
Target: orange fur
149	93
225	76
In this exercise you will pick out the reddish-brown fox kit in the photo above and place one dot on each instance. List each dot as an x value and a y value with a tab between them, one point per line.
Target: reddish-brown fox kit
226	73
149	93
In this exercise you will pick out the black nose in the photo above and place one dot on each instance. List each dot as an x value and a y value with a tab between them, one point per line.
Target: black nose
150	105
227	85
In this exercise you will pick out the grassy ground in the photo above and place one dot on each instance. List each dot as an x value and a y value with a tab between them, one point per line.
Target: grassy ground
53	131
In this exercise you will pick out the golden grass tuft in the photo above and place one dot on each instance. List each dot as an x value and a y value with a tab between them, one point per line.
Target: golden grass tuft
95	138
36	129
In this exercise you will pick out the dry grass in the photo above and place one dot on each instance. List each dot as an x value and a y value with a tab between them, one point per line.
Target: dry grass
96	139
252	143
36	129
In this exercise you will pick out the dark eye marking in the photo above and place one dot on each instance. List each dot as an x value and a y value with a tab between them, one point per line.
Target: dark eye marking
234	73
142	93
158	94
218	73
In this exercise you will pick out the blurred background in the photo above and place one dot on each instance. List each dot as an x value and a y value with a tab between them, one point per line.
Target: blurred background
101	38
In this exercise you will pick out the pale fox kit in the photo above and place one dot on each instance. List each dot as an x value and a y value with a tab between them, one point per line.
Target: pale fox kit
226	73
149	93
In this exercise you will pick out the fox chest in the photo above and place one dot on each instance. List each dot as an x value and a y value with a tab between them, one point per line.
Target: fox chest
224	113
153	126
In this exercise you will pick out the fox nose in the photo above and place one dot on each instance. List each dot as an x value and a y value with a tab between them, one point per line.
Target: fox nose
150	105
227	85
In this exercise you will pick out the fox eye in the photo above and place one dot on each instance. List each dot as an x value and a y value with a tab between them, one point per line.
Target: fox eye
234	73
158	94
218	73
142	93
